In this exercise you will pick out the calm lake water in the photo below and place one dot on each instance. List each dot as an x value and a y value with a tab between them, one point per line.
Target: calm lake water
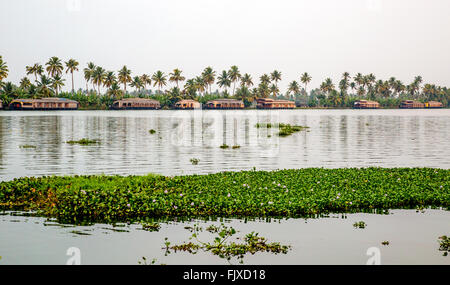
412	236
335	138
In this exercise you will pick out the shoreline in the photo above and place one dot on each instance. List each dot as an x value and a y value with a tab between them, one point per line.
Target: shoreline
244	194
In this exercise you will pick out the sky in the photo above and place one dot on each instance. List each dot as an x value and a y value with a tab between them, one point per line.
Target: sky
400	38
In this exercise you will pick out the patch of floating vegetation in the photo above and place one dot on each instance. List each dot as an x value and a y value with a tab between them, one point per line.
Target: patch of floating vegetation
27	146
151	227
152	131
84	141
284	129
245	194
360	225
80	233
444	244
224	146
194	161
222	247
385	242
236	146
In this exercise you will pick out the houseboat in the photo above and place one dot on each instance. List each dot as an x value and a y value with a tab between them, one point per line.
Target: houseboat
136	104
187	104
224	104
433	104
44	104
366	104
267	103
411	104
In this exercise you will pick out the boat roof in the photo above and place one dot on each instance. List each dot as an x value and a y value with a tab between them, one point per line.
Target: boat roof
137	100
49	99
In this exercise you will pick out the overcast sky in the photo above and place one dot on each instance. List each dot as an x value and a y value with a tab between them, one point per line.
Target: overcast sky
401	38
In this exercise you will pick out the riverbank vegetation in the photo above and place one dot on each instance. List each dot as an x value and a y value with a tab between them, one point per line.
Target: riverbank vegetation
283	193
103	86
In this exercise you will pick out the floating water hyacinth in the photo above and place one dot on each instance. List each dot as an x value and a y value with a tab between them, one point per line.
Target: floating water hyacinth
99	198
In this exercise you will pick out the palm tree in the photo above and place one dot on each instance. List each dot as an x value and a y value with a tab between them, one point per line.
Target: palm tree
159	78
44	85
36	69
209	76
327	86
110	79
57	83
3	69
72	65
88	73
305	79
176	76
114	91
145	79
224	80
200	84
25	83
246	80
274	90
275	76
98	77
265	79
190	88
234	75
54	66
294	87
124	77
137	83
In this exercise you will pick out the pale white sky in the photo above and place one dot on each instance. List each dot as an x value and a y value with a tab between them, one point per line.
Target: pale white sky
401	38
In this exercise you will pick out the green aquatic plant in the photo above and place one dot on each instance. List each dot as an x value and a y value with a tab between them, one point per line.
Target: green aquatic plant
236	146
284	129
27	146
151	227
224	146
444	244
83	142
194	161
385	242
152	131
222	247
360	225
252	193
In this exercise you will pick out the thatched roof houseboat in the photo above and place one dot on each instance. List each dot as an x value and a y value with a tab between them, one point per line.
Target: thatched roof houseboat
268	103
187	104
224	104
136	104
366	104
411	104
44	104
433	104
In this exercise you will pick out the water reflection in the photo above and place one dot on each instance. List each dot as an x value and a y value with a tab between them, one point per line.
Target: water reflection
336	138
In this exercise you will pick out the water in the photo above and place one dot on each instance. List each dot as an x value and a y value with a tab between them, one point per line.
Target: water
412	236
335	138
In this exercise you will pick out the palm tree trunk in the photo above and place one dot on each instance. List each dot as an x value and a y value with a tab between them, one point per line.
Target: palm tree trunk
72	83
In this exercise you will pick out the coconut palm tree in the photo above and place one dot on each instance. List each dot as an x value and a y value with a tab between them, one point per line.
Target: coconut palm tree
72	65
88	73
44	86
137	83
3	69
209	76
159	78
264	79
176	76
124	77
98	77
294	88
275	76
25	83
36	70
305	79
145	79
224	80
200	84
190	89
57	83
246	80
110	79
114	91
234	75
274	90
54	66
